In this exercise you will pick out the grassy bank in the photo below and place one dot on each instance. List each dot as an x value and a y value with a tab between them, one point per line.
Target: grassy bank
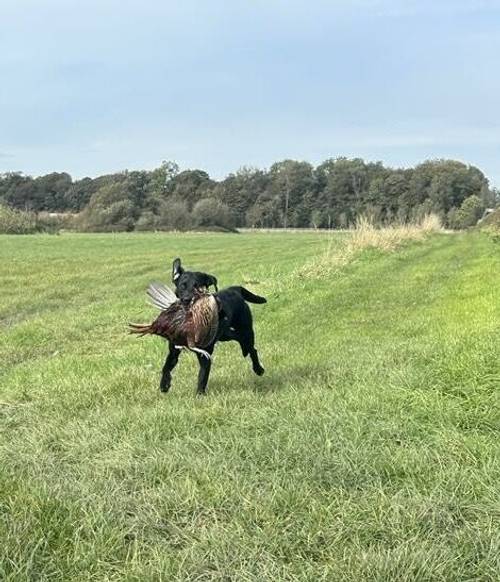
368	451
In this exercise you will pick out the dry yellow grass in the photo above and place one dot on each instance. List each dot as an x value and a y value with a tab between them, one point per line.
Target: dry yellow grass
365	235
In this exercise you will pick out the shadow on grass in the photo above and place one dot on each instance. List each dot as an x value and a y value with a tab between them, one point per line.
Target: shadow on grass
274	380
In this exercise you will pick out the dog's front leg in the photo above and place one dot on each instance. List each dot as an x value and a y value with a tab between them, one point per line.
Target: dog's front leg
204	373
170	363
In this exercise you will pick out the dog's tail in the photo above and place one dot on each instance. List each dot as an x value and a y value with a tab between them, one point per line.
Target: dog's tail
251	297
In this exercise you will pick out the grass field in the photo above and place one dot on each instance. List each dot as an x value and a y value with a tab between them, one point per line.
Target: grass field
368	451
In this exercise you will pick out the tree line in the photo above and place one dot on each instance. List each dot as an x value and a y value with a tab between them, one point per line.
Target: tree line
289	194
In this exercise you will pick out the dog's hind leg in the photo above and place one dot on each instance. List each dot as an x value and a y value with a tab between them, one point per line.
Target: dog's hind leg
246	339
256	365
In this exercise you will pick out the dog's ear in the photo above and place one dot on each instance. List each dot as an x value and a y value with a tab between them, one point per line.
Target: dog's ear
212	281
177	270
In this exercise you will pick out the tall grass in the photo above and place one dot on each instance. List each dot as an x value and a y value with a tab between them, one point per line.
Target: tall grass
366	235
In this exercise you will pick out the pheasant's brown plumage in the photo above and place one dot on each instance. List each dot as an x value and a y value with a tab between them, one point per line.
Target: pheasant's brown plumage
193	326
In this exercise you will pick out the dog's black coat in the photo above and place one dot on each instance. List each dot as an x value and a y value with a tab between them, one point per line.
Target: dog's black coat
186	282
235	322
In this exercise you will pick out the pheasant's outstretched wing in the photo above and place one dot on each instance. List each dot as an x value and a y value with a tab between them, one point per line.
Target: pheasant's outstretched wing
161	296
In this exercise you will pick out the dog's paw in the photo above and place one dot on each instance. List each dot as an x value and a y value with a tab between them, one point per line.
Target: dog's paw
259	370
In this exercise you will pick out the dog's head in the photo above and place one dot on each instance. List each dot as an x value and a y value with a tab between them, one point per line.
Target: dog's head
190	283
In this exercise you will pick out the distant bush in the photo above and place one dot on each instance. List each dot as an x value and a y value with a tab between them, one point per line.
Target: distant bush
174	215
109	210
491	225
468	214
209	212
21	222
16	221
492	220
147	221
52	223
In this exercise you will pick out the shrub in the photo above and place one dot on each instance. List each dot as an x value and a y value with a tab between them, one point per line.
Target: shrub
21	222
468	214
492	220
53	222
491	225
174	214
212	212
16	221
147	221
113	218
109	210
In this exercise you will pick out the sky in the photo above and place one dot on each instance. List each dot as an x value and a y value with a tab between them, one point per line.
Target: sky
98	86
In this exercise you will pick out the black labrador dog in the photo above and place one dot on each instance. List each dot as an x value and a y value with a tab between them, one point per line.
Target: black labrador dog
235	322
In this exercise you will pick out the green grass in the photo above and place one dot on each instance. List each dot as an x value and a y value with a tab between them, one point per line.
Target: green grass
368	451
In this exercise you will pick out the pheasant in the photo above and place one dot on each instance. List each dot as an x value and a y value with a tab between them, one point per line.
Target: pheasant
192	327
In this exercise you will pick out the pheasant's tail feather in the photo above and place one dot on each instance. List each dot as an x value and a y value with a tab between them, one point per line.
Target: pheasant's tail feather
161	296
139	328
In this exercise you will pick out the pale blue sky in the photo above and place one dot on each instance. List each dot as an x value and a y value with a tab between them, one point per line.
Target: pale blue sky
96	86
